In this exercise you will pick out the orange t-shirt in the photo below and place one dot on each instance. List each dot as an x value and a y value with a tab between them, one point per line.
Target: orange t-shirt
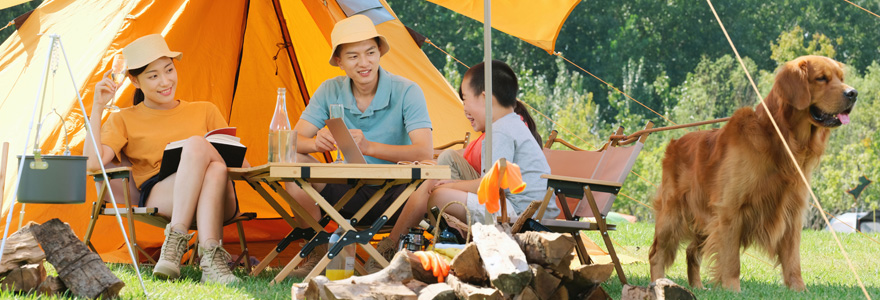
141	133
472	153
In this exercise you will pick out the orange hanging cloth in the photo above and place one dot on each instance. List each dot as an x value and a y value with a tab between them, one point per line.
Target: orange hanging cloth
489	185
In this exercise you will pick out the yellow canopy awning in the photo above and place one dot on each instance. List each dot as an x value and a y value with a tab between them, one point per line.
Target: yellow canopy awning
535	21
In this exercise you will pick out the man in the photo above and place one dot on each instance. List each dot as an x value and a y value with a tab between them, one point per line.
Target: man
386	114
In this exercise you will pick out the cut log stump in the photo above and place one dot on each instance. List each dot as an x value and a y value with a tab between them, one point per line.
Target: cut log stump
468	266
544	284
660	289
471	292
336	290
81	270
21	249
503	259
437	291
52	286
545	248
24	279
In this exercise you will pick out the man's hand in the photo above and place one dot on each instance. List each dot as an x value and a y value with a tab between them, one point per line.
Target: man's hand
324	141
360	140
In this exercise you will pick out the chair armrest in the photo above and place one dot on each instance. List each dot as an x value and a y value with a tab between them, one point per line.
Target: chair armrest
464	142
562	182
112	173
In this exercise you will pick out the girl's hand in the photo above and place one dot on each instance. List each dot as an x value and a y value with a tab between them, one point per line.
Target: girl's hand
447	183
104	91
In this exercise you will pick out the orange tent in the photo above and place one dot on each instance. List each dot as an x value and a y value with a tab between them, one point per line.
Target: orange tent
237	53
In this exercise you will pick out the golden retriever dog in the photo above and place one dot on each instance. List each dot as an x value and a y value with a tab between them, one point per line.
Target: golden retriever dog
730	188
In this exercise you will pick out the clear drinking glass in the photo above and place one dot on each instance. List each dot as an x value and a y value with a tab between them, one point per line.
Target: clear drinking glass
336	111
117	73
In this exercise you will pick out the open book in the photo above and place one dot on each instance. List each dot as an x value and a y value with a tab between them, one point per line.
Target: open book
224	140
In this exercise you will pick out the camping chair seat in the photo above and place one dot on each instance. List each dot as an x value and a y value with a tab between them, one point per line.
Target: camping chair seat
126	189
591	181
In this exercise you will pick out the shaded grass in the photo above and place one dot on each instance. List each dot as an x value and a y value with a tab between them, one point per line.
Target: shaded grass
824	268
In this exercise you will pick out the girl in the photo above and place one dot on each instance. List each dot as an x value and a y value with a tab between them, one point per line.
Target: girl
514	138
200	190
511	139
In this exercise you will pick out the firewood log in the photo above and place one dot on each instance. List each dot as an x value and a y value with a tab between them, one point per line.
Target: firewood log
81	270
468	266
527	294
503	259
544	284
24	279
399	270
52	286
471	292
21	249
437	291
545	248
338	290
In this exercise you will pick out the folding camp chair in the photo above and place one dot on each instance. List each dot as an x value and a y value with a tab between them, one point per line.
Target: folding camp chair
463	142
125	188
594	176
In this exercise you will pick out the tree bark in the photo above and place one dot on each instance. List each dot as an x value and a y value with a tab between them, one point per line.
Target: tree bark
81	270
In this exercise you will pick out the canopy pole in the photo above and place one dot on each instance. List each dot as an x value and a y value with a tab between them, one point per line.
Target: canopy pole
487	71
487	64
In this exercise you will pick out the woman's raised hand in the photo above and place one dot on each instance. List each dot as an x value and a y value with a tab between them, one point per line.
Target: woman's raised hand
104	92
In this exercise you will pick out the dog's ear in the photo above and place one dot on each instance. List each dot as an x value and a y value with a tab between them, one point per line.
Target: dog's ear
793	84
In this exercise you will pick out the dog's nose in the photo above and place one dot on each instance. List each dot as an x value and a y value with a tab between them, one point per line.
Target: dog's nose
851	94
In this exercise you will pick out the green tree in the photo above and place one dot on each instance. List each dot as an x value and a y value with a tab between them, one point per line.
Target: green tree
791	45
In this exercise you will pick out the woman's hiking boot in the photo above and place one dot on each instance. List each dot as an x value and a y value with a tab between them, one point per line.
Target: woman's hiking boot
215	266
175	245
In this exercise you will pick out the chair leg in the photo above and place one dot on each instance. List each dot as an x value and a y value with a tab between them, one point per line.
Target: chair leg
96	207
603	228
195	251
242	241
581	249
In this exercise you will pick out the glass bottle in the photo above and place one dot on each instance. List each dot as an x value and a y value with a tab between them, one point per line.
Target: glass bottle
282	140
341	266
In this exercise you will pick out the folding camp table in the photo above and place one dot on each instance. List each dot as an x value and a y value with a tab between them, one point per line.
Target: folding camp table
356	175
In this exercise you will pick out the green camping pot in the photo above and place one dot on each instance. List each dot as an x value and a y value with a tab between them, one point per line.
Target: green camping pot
62	182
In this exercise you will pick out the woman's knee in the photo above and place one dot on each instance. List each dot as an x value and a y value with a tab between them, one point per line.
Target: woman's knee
196	146
216	171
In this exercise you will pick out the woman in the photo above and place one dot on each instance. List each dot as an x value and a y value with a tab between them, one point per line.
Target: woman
200	190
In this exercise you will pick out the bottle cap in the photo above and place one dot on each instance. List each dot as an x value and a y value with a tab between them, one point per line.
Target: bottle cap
424	224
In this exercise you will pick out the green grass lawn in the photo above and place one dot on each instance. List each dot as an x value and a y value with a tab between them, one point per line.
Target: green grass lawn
824	269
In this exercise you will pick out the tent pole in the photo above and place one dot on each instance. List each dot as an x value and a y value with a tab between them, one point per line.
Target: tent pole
487	64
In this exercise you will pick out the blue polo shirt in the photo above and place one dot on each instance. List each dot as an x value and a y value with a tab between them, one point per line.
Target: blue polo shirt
398	107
